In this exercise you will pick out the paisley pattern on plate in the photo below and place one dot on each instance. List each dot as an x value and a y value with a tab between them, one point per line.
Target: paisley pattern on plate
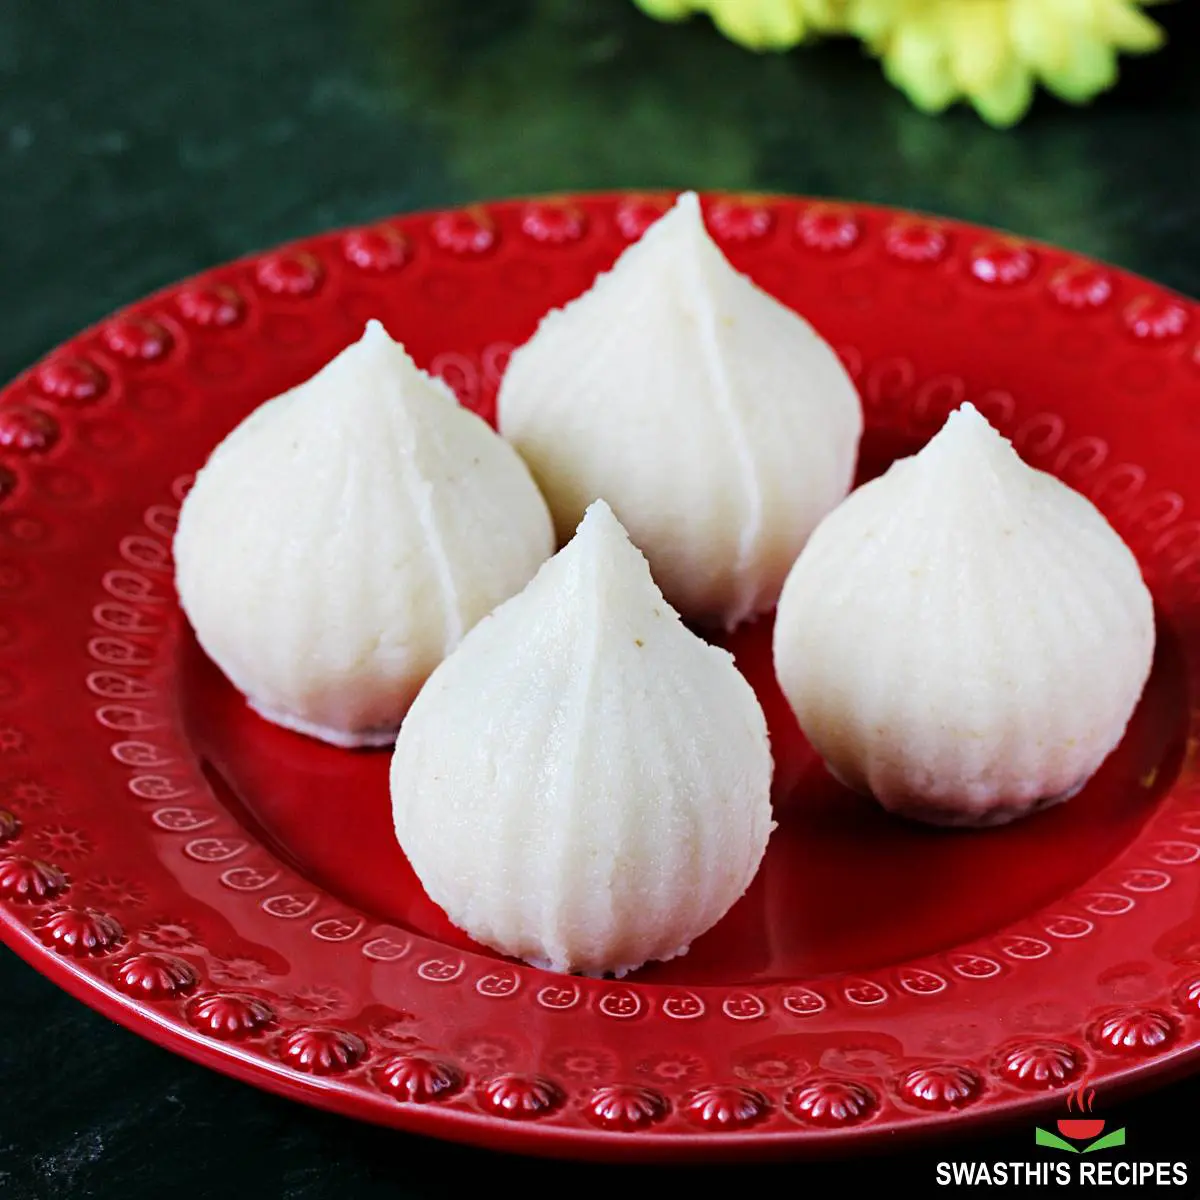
131	869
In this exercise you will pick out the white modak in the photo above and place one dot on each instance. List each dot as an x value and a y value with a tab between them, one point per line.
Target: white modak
585	784
716	422
966	637
341	540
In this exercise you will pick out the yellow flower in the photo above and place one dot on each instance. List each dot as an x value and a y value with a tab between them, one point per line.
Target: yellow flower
992	53
757	24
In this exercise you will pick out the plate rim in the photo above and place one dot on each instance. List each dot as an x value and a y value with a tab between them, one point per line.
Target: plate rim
554	1142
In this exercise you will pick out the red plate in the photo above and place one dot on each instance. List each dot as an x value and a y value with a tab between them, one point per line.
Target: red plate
234	892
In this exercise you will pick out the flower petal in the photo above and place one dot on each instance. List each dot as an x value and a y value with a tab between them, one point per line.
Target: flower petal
666	10
1128	28
1091	68
917	64
1039	36
826	15
874	21
1078	13
979	43
1008	98
760	24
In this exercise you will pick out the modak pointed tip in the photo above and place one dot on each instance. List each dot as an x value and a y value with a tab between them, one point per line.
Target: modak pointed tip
375	333
601	540
685	216
377	340
966	429
387	366
599	517
687	203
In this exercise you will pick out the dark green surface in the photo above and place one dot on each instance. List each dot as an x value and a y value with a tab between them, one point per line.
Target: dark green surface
140	142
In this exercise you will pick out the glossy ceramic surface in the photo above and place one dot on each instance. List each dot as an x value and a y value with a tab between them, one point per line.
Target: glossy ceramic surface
234	892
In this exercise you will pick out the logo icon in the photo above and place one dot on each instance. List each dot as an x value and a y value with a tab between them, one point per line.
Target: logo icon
1083	1128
